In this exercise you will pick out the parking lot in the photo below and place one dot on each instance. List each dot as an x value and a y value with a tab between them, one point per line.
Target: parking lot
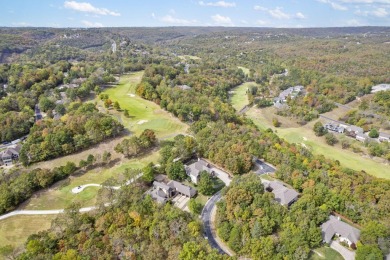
181	202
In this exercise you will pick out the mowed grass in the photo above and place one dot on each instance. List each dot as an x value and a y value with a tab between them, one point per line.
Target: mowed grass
245	70
15	230
305	135
239	98
143	114
325	253
191	57
60	195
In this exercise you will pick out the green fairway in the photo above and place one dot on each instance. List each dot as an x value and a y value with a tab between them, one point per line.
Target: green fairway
245	70
325	253
60	195
191	57
239	97
143	114
15	230
304	135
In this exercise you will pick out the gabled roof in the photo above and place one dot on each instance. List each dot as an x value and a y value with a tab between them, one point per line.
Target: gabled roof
355	129
161	185
334	225
9	152
195	168
283	195
183	189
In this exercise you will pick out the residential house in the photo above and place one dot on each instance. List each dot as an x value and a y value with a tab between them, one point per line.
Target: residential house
193	170
162	192
355	129
361	137
9	155
345	232
283	195
291	92
383	137
380	87
184	87
182	189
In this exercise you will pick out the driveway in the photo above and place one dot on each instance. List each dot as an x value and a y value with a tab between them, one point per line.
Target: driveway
347	254
263	167
223	176
181	202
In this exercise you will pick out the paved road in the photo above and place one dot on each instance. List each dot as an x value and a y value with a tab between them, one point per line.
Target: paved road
263	167
347	254
206	218
40	212
343	106
38	115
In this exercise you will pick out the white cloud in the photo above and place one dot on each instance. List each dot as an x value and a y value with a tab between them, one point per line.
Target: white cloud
91	24
353	22
378	12
278	13
153	16
222	20
366	1
88	8
261	22
218	4
21	24
260	8
178	21
300	15
334	5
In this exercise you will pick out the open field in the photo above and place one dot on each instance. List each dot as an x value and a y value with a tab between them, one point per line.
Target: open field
304	135
60	195
14	231
325	253
245	70
191	57
143	114
239	97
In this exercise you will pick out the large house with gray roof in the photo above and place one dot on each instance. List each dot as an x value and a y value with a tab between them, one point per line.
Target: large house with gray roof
162	192
345	232
193	170
283	195
9	155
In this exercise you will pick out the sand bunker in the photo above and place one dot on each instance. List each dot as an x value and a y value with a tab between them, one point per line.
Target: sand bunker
131	95
141	122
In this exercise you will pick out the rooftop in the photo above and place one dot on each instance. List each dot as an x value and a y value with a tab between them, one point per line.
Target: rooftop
334	225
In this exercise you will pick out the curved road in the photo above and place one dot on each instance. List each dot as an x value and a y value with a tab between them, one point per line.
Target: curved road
207	222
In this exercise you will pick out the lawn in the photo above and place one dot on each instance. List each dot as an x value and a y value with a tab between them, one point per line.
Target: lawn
15	230
191	57
143	114
239	97
325	253
304	135
245	70
60	195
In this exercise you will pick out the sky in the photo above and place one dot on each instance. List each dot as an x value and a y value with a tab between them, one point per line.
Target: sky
156	13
